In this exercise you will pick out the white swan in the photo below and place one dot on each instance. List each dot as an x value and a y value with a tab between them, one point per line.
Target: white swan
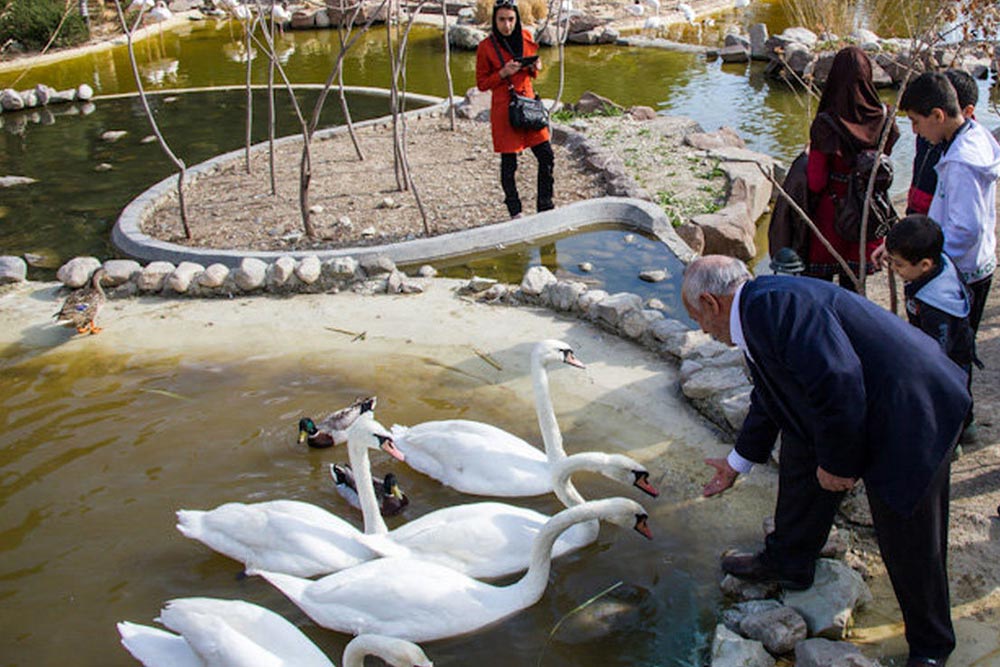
292	536
635	9
490	539
234	633
160	12
688	11
421	601
474	457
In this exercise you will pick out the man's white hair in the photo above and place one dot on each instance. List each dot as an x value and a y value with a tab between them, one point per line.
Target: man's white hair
713	274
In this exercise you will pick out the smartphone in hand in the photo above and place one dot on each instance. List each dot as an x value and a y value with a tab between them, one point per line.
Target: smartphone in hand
527	61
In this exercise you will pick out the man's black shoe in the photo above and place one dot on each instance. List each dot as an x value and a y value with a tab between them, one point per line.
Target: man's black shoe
753	568
925	662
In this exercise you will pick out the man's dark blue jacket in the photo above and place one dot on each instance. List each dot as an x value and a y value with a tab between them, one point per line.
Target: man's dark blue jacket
875	397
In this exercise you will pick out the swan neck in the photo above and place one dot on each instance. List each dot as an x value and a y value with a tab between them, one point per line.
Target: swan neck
364	645
546	414
532	585
563	471
361	465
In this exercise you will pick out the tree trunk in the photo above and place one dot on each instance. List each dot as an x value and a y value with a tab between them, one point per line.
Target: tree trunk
447	66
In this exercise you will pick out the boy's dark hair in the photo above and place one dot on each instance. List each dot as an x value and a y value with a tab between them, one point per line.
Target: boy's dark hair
929	91
914	238
965	87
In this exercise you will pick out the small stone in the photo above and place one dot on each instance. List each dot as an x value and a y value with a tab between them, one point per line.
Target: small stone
113	135
120	271
150	138
316	209
292	237
653	275
656	304
368	232
629	239
345	222
478	284
427	271
309	269
12	181
76	272
586	267
153	275
214	276
84	92
12	270
387	202
170	100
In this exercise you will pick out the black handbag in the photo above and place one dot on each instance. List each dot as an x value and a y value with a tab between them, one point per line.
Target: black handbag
524	113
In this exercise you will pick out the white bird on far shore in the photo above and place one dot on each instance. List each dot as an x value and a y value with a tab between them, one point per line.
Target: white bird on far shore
687	11
635	9
654	4
160	12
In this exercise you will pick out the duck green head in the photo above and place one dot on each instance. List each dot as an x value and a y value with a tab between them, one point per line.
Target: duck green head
307	427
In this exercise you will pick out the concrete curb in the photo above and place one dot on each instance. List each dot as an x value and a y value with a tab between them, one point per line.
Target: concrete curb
636	214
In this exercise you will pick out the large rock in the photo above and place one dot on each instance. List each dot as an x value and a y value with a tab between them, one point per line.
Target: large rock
721	138
340	268
120	271
465	37
734	615
251	274
710	381
309	269
536	279
76	272
779	630
584	23
729	231
10	100
758	36
731	650
214	276
828	605
735	53
565	295
280	271
475	102
377	265
800	35
12	270
820	652
44	94
611	310
590	103
153	275
181	278
84	92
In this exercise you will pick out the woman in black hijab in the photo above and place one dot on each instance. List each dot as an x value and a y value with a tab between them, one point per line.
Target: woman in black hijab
849	120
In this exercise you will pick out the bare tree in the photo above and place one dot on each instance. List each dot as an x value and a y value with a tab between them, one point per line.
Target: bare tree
149	113
305	167
447	65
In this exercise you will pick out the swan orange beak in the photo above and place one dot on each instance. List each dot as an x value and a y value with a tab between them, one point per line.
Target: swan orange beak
570	358
642	527
642	483
386	444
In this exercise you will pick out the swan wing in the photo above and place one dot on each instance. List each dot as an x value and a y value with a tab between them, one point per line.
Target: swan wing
467	456
157	648
483	540
284	536
234	633
401	597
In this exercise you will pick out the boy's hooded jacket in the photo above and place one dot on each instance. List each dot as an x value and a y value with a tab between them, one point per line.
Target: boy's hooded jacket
964	201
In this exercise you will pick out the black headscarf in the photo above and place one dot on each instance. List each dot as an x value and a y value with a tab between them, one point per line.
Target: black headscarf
514	43
849	96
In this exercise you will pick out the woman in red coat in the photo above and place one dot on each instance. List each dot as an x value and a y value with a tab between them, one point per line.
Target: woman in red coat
498	69
851	102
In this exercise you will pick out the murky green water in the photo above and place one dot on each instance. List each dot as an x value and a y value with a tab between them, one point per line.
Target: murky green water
97	452
70	212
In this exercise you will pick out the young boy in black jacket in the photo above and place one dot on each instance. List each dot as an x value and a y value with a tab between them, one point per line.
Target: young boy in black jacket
937	301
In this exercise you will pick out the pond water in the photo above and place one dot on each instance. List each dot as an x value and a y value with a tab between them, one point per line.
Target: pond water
99	451
72	209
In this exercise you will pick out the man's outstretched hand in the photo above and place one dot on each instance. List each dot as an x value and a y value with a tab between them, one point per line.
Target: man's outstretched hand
724	477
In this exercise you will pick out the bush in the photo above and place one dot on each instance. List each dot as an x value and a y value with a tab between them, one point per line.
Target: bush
531	11
32	23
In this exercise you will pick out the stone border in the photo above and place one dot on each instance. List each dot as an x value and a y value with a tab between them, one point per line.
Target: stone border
640	215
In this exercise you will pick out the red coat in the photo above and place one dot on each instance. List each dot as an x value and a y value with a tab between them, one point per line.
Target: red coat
507	139
818	171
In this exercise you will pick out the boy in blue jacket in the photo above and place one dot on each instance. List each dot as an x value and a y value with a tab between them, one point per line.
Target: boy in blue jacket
937	301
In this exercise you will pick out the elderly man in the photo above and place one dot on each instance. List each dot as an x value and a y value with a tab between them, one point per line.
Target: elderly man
856	392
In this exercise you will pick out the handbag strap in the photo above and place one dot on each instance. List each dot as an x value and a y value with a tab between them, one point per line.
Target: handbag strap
496	45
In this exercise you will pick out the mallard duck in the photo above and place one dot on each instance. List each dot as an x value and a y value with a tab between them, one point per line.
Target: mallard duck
391	500
332	430
81	307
